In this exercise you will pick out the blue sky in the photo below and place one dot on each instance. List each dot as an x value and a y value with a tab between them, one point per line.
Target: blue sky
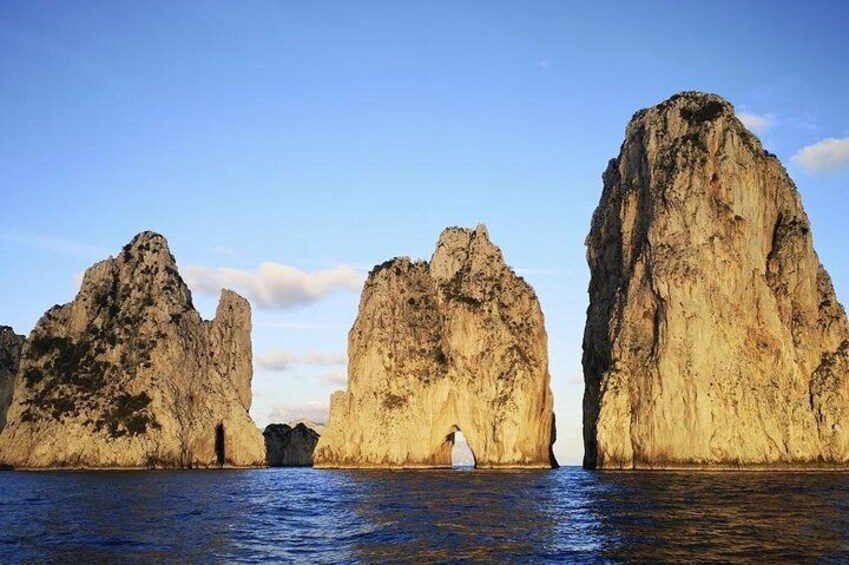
328	137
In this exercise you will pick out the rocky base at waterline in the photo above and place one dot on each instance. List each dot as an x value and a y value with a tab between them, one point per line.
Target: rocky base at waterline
454	344
128	375
289	445
10	357
714	338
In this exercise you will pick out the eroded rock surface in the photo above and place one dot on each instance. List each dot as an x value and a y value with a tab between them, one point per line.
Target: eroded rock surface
289	446
128	375
713	337
458	343
10	356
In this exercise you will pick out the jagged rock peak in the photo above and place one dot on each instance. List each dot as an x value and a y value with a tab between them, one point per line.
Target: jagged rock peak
713	336
457	343
129	375
290	446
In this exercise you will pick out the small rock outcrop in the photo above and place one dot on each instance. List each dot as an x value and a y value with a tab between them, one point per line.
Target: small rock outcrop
714	338
458	343
10	356
289	445
128	375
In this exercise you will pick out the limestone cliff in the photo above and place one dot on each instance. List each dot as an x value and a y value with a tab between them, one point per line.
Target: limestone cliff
10	355
289	446
713	337
458	343
128	375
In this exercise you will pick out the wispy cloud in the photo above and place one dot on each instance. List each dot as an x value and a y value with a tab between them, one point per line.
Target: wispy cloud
56	245
828	155
525	271
223	250
313	410
335	378
545	64
285	360
758	123
273	285
304	326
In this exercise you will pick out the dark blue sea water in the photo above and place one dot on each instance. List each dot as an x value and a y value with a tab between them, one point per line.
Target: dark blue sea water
311	516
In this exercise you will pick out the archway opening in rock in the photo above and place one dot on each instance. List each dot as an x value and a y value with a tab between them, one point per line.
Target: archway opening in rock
462	456
219	444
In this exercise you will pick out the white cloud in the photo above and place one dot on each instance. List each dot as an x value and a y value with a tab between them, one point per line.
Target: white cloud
304	326
313	410
284	360
223	250
827	155
758	123
335	378
274	285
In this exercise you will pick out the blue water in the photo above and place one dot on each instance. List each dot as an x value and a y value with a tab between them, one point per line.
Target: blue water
305	515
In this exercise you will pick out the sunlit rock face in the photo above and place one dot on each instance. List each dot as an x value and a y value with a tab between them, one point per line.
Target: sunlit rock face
457	343
128	375
714	338
10	356
289	446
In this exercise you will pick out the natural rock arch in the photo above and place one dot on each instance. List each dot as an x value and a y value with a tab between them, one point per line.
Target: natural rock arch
455	342
455	447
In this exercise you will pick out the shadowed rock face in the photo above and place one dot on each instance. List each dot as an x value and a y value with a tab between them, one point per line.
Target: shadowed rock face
10	356
129	375
287	446
455	344
713	337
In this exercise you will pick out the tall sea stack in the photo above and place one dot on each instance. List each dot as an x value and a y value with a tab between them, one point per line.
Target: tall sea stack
456	344
714	338
128	375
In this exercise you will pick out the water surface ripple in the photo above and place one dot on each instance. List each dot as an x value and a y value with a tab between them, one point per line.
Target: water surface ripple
304	515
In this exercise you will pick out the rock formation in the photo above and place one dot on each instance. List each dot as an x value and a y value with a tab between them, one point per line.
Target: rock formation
128	375
10	355
455	344
714	338
289	446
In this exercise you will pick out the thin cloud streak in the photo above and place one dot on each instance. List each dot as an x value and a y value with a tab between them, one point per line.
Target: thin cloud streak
56	245
303	326
335	378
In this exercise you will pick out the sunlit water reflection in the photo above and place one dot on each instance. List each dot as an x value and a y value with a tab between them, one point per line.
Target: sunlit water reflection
305	515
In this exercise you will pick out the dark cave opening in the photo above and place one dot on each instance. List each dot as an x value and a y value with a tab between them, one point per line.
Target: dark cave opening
219	444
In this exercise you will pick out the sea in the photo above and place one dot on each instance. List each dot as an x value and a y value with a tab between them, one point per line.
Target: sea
293	515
